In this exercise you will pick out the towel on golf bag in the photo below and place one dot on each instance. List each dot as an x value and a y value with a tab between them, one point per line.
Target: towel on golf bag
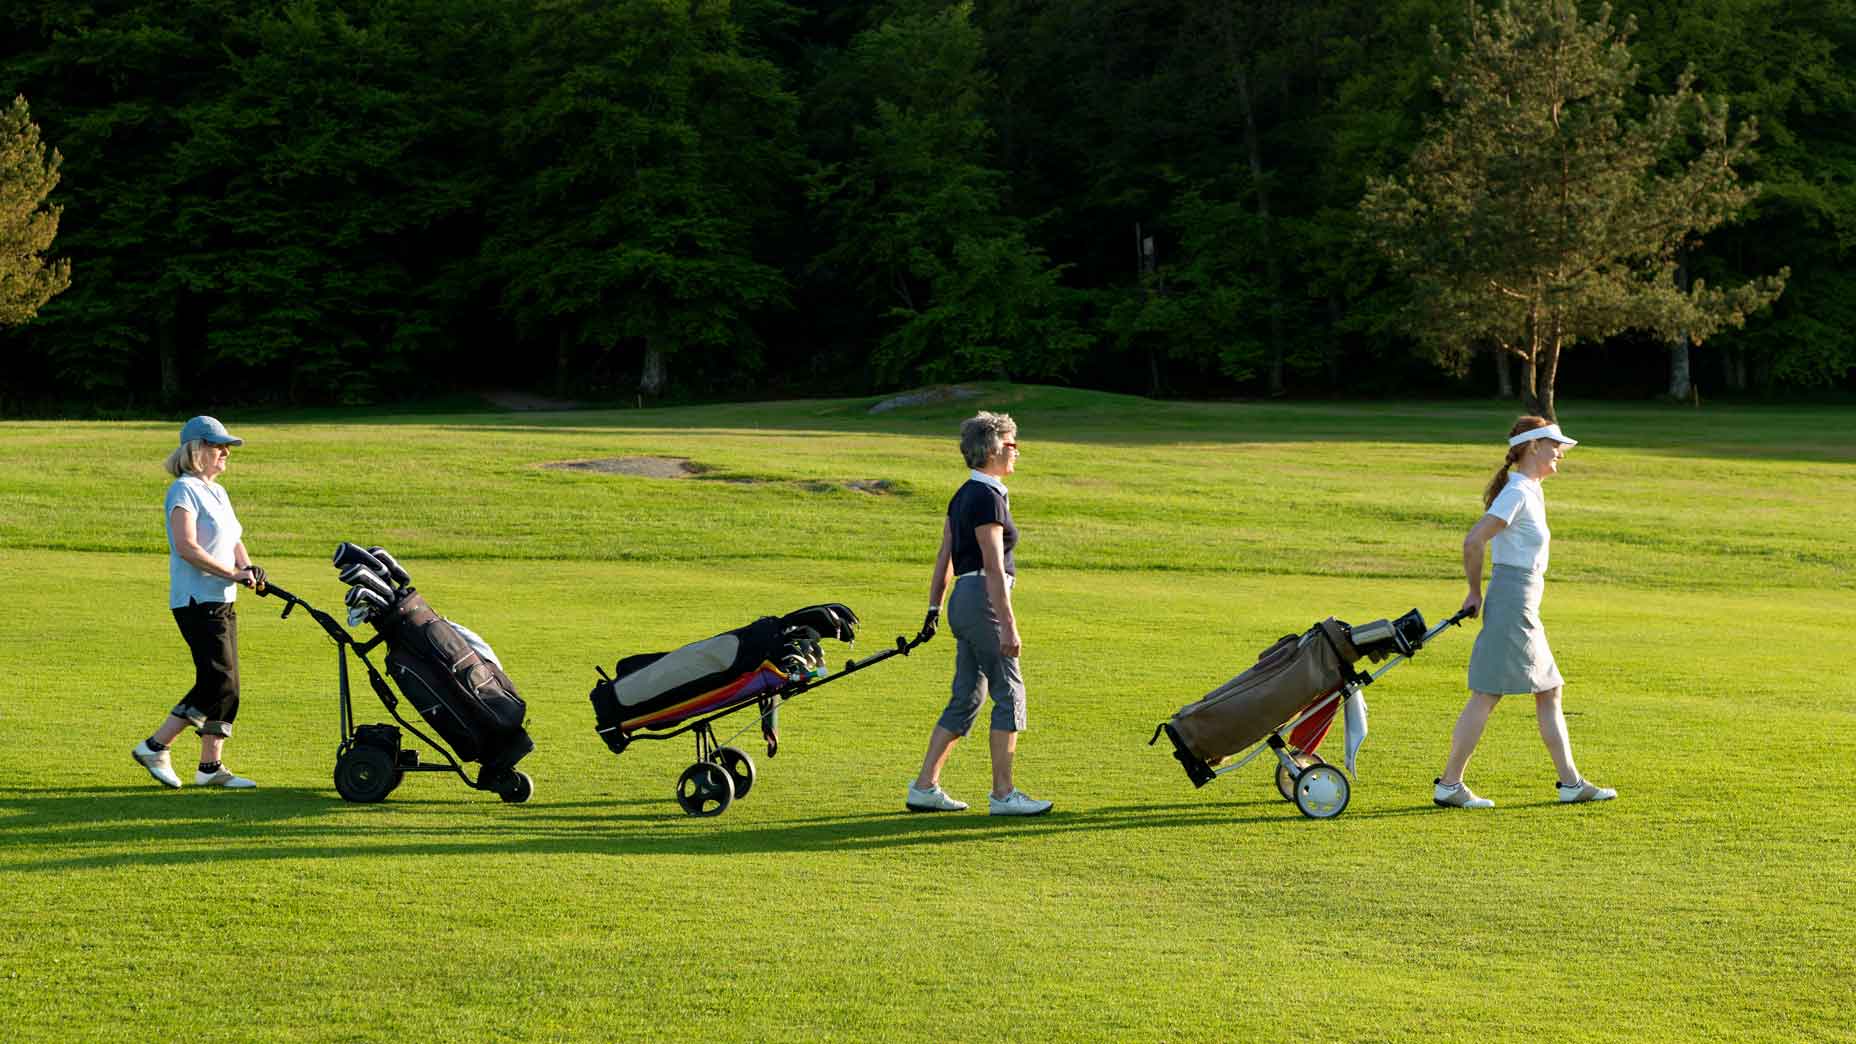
662	690
1287	677
463	695
476	642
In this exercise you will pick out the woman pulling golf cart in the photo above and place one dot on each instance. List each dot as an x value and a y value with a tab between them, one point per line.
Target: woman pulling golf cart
1511	654
206	562
976	553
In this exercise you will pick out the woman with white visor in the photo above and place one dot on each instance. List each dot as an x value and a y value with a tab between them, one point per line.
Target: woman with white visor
1511	656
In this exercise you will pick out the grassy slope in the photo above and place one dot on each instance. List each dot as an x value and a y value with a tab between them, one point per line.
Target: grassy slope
1700	592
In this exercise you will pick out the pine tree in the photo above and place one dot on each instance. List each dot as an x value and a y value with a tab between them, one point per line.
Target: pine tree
27	223
1537	213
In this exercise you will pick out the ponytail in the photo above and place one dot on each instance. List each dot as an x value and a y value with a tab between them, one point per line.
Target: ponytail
185	460
1500	480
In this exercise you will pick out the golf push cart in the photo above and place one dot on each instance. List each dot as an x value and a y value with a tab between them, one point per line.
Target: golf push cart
658	696
449	675
1285	703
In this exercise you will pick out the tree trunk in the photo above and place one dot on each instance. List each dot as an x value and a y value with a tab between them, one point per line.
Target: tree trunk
1333	343
1530	364
563	356
1549	373
1240	77
1680	386
1146	264
167	347
1504	375
656	371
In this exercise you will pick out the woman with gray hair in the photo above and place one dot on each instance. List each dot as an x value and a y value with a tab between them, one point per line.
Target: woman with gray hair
206	563
977	539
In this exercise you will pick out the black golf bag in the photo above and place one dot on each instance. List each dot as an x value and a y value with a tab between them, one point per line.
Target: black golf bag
449	675
469	700
659	691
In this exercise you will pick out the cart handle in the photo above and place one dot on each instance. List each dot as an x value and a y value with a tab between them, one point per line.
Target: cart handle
1454	621
329	624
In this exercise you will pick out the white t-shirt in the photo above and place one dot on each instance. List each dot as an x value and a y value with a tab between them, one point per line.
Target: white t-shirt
218	531
1524	542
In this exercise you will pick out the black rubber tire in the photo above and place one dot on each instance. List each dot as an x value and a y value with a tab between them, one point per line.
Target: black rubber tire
1285	783
705	789
739	766
1322	792
365	775
517	789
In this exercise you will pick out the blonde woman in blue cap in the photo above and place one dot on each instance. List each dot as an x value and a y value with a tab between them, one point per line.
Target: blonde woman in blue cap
207	562
1511	656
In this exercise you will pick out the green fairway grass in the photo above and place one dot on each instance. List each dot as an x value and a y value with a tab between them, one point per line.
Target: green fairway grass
1700	602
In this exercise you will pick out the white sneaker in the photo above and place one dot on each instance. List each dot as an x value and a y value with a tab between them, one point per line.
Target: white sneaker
222	778
158	764
1583	791
934	799
1019	803
1458	796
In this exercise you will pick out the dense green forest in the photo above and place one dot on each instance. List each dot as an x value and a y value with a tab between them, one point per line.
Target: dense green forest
348	201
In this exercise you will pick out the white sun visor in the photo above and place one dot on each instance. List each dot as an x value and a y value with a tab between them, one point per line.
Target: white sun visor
1551	431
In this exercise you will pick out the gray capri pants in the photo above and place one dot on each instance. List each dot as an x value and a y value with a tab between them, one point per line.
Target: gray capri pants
979	667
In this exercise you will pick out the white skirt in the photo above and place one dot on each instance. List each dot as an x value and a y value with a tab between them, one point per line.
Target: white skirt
1511	654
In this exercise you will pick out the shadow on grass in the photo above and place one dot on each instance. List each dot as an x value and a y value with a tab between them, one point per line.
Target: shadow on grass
140	826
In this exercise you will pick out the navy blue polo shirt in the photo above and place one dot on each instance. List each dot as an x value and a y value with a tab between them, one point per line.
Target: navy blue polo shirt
978	504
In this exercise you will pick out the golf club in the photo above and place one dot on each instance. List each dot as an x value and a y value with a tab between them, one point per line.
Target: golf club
398	574
360	576
347	554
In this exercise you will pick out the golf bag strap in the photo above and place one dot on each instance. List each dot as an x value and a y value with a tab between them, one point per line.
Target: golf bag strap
770	723
381	689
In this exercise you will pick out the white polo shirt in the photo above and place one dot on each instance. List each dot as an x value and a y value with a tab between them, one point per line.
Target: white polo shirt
218	531
1524	543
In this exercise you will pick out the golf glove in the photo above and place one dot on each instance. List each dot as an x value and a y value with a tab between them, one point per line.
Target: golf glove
930	623
259	578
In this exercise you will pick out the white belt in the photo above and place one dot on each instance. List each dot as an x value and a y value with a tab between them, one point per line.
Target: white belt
1010	579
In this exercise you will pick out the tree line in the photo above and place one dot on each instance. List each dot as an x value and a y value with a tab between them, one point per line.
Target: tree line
344	201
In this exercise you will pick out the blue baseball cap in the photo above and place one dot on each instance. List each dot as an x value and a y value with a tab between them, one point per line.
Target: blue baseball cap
210	429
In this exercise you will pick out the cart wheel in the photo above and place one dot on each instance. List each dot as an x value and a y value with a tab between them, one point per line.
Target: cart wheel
365	775
518	788
1285	783
705	789
1322	792
740	768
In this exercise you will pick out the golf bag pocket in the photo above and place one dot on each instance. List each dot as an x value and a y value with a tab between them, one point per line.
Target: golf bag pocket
469	700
